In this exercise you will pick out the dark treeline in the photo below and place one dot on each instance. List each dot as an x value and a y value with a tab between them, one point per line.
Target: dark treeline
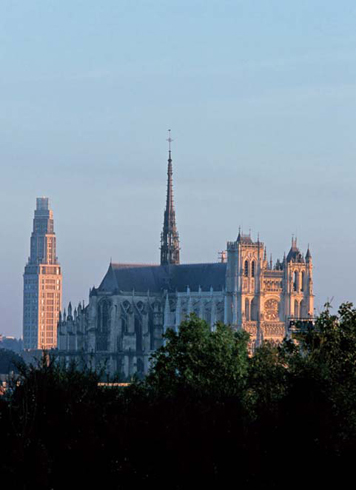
207	416
9	361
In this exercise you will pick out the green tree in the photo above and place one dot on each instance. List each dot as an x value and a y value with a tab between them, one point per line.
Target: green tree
200	360
268	375
328	354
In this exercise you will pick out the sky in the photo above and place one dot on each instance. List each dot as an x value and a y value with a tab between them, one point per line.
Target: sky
261	100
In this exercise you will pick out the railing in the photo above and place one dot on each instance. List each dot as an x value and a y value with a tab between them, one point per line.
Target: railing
301	324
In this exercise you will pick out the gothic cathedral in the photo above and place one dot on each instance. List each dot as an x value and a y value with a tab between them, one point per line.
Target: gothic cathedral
135	304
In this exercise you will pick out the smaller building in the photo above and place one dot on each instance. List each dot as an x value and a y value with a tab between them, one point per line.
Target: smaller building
11	343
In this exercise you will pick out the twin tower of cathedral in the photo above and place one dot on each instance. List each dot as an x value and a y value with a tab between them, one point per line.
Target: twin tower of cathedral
127	315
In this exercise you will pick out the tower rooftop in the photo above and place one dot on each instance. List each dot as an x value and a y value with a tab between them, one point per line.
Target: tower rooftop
42	204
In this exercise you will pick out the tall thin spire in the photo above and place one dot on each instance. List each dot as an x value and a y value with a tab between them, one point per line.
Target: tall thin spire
169	237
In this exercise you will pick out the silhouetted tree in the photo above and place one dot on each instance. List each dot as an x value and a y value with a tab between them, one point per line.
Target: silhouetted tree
9	361
207	415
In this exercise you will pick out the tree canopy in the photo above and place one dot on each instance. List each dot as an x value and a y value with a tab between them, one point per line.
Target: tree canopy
206	415
200	360
9	361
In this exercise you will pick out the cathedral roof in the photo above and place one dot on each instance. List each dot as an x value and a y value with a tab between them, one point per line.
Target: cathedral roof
156	278
195	275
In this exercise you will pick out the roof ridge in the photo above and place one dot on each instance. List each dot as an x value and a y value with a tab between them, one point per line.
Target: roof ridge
125	264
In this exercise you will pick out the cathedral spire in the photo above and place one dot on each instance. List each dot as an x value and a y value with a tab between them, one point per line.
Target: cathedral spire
169	237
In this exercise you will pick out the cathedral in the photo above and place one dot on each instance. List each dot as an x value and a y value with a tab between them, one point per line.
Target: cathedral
135	304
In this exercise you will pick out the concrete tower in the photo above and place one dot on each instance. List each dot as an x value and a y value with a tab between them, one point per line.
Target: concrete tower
42	283
170	237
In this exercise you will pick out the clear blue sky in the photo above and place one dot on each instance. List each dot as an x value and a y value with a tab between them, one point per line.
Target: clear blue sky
261	99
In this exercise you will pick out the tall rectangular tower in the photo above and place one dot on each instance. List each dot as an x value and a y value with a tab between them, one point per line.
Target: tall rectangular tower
42	283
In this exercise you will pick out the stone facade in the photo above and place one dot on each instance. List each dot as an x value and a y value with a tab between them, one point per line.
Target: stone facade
135	304
263	298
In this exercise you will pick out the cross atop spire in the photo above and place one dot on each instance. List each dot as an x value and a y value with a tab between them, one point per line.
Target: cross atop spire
169	237
169	141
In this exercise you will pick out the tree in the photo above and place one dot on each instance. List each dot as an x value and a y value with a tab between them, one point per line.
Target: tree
9	361
268	375
200	360
329	356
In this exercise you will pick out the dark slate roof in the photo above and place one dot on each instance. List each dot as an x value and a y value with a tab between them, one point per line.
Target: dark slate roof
195	275
156	278
245	239
295	255
308	255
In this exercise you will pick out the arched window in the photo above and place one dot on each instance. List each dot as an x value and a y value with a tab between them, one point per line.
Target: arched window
247	309
246	268
105	317
253	315
295	281
302	310
207	315
253	268
140	306
138	331
102	334
123	325
296	309
126	306
302	281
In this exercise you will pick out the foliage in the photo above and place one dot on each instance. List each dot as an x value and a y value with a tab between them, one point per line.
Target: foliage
268	372
329	355
207	415
200	360
9	361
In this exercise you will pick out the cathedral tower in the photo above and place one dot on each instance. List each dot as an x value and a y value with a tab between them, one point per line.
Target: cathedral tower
246	262
42	283
263	298
170	237
299	284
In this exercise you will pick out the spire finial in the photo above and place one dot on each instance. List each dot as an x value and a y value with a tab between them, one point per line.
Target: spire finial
294	241
308	256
